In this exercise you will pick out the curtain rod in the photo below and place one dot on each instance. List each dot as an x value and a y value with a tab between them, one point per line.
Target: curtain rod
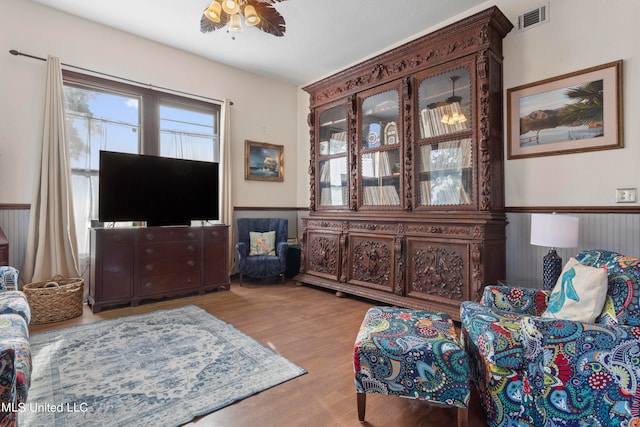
18	53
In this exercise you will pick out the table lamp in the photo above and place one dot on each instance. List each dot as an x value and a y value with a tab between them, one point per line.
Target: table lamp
553	231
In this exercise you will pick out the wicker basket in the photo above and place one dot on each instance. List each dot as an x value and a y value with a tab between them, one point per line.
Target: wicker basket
55	300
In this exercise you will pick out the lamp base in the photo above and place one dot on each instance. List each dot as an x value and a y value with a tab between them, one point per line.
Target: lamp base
551	269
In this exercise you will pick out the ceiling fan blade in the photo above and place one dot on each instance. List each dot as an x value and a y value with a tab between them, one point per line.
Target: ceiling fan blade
270	19
206	25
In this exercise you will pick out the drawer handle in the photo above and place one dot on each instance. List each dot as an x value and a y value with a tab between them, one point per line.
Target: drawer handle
215	233
191	263
117	238
191	234
149	236
149	267
148	285
149	251
191	248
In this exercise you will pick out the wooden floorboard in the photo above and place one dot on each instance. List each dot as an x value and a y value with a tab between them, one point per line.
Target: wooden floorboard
314	329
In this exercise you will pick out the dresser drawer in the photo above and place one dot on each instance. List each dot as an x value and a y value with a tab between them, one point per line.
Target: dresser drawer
168	283
169	266
150	252
169	234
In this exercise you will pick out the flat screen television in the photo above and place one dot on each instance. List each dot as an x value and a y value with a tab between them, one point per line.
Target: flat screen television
159	190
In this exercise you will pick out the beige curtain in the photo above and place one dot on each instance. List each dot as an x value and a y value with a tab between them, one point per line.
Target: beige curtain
51	243
226	202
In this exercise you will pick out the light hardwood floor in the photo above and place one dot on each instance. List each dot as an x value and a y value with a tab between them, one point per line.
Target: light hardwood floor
314	329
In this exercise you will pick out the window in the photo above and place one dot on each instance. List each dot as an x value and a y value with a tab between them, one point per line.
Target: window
107	115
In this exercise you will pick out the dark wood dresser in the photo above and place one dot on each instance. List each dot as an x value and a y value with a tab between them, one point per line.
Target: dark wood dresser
129	265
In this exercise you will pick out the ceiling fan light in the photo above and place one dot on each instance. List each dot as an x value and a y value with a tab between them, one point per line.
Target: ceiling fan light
235	24
230	6
213	11
250	16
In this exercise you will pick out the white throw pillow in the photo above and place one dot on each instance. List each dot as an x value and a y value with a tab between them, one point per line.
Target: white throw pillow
579	294
262	243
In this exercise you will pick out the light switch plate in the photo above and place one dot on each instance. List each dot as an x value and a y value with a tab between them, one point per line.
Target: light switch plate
626	195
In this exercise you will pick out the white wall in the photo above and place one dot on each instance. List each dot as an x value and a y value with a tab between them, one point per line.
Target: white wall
580	34
264	110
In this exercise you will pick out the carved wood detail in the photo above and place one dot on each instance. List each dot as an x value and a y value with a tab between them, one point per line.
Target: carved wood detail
407	111
312	163
302	239
383	72
485	138
476	270
449	230
353	151
447	44
371	262
398	243
324	255
373	226
344	259
438	271
325	224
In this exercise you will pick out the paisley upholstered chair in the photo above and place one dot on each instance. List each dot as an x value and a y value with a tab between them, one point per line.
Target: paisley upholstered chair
15	351
262	247
536	365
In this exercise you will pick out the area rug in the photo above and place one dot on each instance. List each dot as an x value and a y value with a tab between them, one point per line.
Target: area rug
158	369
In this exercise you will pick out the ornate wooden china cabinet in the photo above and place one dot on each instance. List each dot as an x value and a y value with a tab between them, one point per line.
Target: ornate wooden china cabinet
407	192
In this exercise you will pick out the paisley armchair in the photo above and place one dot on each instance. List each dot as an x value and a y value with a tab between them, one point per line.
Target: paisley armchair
544	372
15	351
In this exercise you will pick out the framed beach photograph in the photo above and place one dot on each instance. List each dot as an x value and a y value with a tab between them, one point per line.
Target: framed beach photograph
572	113
263	162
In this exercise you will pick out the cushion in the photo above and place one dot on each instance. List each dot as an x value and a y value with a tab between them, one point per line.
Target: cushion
579	294
262	243
8	278
624	284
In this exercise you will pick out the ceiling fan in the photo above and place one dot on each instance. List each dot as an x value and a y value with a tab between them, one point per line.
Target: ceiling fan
261	14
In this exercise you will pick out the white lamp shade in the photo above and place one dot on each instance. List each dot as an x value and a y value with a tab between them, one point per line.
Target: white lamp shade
231	6
235	24
250	16
554	231
213	12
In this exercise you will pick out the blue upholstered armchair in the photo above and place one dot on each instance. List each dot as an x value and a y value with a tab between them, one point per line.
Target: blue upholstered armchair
549	372
262	247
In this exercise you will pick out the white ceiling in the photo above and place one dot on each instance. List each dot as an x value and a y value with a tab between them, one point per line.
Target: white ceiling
322	36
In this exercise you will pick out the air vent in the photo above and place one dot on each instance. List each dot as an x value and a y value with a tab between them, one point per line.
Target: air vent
533	18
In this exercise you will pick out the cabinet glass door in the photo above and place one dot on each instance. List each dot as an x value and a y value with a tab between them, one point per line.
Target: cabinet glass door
445	104
380	163
445	148
332	157
445	173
